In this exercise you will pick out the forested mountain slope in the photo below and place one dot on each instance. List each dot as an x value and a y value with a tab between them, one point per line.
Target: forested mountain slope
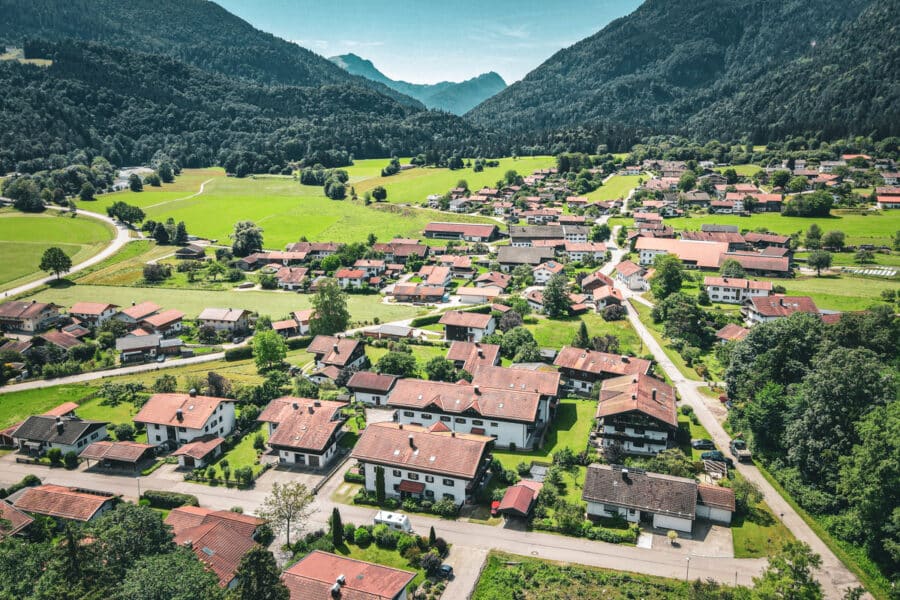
457	98
720	68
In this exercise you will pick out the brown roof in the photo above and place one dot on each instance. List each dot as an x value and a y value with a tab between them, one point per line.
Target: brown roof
323	346
291	274
473	354
186	517
314	575
545	383
350	274
757	262
591	361
161	409
61	339
200	447
303	316
371	382
22	310
716	496
496	278
641	393
652	492
91	308
124	451
303	423
458	318
140	311
434	274
445	453
467	229
165	318
285	325
62	502
61	410
17	519
595	279
222	314
519	498
727	237
735	282
732	332
771	238
419	291
608	292
458	398
782	306
626	268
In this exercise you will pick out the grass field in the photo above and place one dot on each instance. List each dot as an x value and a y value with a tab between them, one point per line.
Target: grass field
742	170
845	259
276	304
874	228
24	238
380	556
617	187
557	333
18	406
835	292
284	209
570	429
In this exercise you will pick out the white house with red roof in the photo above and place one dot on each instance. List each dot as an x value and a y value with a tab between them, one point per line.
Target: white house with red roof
322	576
762	309
637	413
302	431
467	326
373	389
734	290
544	271
176	419
93	314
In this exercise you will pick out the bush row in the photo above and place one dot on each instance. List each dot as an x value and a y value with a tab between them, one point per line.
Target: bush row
592	532
239	353
169	500
27	481
443	508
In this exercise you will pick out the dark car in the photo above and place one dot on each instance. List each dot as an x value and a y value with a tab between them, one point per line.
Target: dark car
703	444
716	455
446	571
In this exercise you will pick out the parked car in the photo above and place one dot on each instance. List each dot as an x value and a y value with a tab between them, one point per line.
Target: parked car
495	506
446	571
161	358
703	444
740	450
716	455
237	339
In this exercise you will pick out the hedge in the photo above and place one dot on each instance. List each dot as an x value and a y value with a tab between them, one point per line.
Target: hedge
239	353
351	477
27	481
169	500
298	343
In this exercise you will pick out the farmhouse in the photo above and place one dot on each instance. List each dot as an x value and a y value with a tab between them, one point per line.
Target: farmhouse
764	240
545	271
435	275
432	463
578	251
303	432
607	296
762	309
460	266
314	249
64	503
336	354
400	251
631	275
199	452
698	255
291	278
887	202
371	267
166	323
137	348
467	326
286	258
134	314
190	252
734	240
225	319
93	314
418	293
595	280
493	279
582	368
351	278
60	339
28	317
303	317
39	433
174	419
320	575
468	356
637	414
731	290
469	232
511	257
759	264
525	236
371	388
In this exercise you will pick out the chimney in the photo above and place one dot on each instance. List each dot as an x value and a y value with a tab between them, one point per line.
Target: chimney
341	579
179	414
634	396
412	443
188	543
453	434
310	409
476	390
480	353
400	426
192	393
335	348
317	403
59	426
133	303
653	394
624	359
336	590
295	405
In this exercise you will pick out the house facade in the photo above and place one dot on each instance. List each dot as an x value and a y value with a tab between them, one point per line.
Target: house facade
28	317
581	369
467	326
39	433
731	290
637	414
371	388
93	314
304	432
225	319
176	419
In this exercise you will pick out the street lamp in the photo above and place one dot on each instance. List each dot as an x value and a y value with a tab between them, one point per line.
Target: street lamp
687	570
139	488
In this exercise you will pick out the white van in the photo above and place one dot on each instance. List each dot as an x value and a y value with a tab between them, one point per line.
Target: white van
397	521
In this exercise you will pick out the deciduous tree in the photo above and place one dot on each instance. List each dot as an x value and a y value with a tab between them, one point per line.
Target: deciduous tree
287	507
55	261
668	276
330	314
268	348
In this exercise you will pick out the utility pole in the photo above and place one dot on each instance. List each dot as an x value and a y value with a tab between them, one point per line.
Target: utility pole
687	570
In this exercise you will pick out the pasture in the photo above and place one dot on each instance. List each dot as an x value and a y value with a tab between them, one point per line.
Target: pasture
617	187
25	237
839	292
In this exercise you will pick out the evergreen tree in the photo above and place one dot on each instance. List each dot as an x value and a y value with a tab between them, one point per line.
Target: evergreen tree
337	527
259	577
181	234
379	485
556	297
582	339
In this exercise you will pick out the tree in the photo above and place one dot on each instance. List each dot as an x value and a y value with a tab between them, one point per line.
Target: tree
185	578
688	181
400	364
246	239
441	369
126	213
668	277
156	272
834	239
119	548
287	507
379	485
337	527
509	320
732	268
87	191
54	260
124	432
582	339
556	297
863	257
789	575
165	172
371	239
818	260
671	462
25	194
161	234
259	578
780	178
134	183
165	384
379	193
268	349
181	234
813	238
600	233
746	495
330	314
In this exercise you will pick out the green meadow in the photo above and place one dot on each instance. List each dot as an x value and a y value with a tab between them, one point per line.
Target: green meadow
24	238
617	187
839	292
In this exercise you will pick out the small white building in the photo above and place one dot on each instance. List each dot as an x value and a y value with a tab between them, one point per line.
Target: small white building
93	314
225	319
632	276
467	326
544	271
731	290
351	278
371	388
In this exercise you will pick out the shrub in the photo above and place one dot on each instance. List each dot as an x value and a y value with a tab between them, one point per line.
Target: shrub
391	503
265	535
523	469
362	537
430	562
298	343
169	500
614	312
440	544
55	456
350	532
71	460
445	508
27	481
687	410
385	537
353	477
239	353
405	542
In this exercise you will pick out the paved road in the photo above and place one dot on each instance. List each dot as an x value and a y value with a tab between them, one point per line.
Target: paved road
122	237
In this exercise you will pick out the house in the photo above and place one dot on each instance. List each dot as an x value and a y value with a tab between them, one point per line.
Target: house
525	236
219	538
582	368
731	290
66	409
253	261
371	388
607	296
389	331
578	251
470	232
493	279
39	433
695	199
118	455
190	252
64	503
511	257
467	326
764	240
291	278
430	463
60	339
759	264
93	314
435	275
287	258
478	295
887	202
519	499
166	323
734	239
371	267
16	520
334	354
666	501
535	299
762	309
137	348
595	280
726	207
304	432
351	278
134	314
545	271
320	575
470	355
641	218
698	255
286	328
175	419
199	452
632	275
225	319
418	293
28	317
314	249
637	414
460	266
401	251
731	332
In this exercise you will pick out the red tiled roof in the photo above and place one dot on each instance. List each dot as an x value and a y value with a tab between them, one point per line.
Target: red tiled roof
161	409
91	308
303	316
323	346
782	306
716	496
732	332
16	518
467	229
22	310
473	354
63	340
626	268
200	447
759	262
496	278
591	361
735	282
165	318
704	254
314	575
62	502
371	382
186	517
285	325
140	311
494	403
303	424
291	274
412	487
124	451
519	498
641	393
434	275
458	318
61	410
545	383
771	238
607	292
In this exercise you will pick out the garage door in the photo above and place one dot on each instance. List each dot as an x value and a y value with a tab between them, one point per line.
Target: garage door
668	522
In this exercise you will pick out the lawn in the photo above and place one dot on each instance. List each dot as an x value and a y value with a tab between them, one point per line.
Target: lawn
422	353
555	333
742	170
513	577
284	209
758	534
571	428
839	292
694	431
17	406
26	237
380	556
617	187
872	228
845	259
243	454
276	304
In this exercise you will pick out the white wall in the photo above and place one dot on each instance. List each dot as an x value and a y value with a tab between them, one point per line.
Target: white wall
598	509
669	522
290	456
157	434
719	515
372	399
436	485
506	432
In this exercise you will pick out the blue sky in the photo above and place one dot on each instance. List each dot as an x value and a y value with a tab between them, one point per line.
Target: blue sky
426	41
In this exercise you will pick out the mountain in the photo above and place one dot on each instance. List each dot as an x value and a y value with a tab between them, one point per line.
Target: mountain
720	68
457	98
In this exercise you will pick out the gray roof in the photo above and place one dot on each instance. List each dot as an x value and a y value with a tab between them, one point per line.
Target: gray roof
633	488
137	342
43	429
546	232
523	255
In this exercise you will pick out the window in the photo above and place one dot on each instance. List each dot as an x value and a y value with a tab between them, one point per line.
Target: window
449	482
449	497
429	493
413	476
396	487
397	473
181	430
477	423
460	420
376	398
426	417
494	424
445	419
158	439
408	413
429	479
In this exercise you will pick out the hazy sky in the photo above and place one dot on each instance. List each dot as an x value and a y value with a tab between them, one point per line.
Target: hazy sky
426	41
